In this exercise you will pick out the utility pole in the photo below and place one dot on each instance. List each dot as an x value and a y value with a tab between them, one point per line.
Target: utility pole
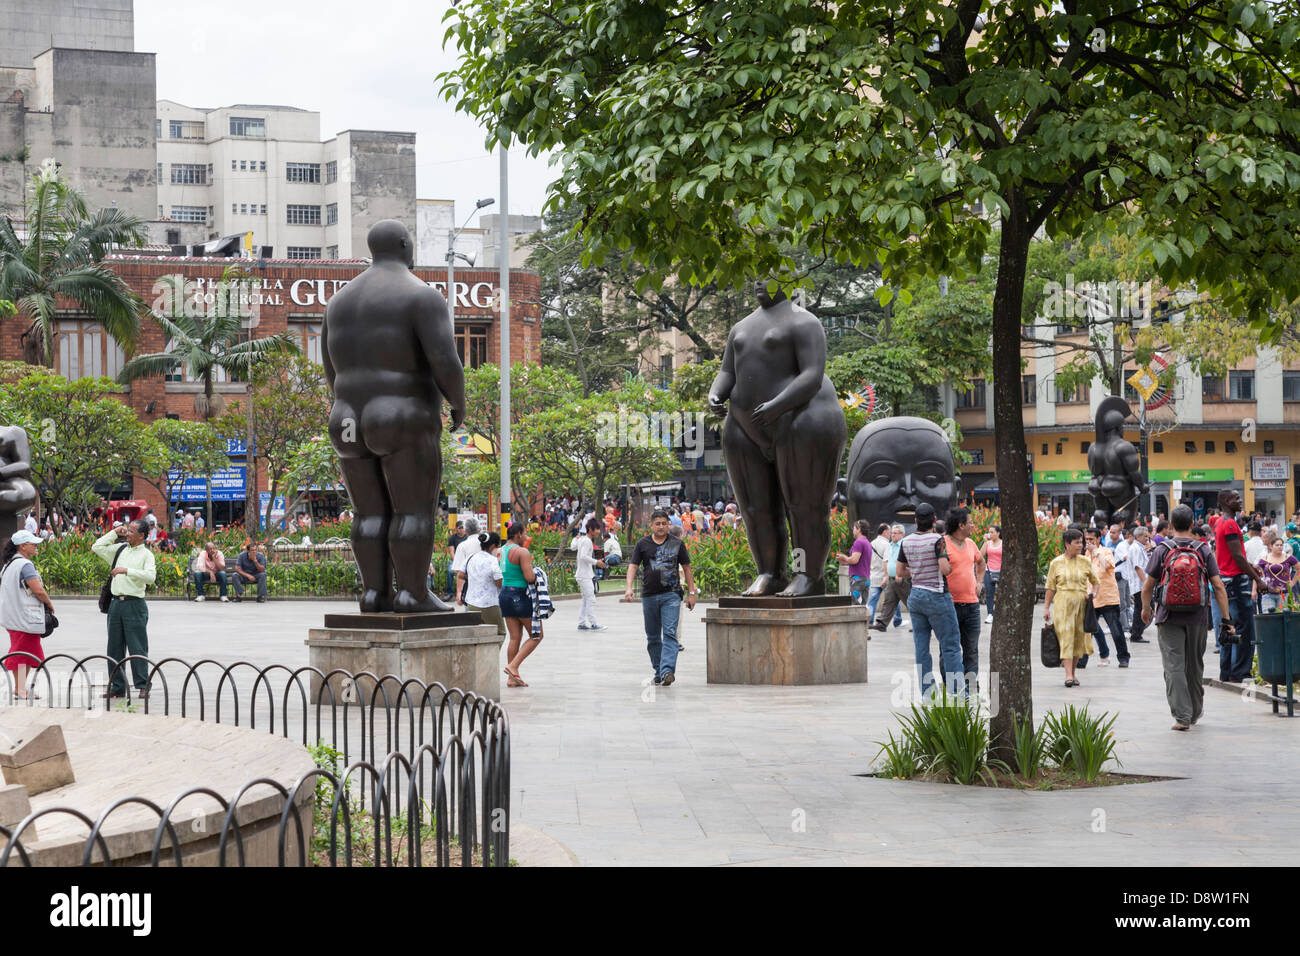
504	244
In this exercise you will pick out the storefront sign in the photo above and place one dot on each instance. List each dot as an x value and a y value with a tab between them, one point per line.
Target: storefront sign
1208	474
1262	485
1270	467
1061	477
228	484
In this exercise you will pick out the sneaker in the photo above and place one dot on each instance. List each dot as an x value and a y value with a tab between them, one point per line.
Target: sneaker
224	599
680	647
261	600
1123	663
598	627
908	624
989	619
878	627
237	599
583	627
1104	662
668	678
200	599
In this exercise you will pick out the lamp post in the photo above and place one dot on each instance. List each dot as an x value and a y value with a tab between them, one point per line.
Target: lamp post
504	244
452	255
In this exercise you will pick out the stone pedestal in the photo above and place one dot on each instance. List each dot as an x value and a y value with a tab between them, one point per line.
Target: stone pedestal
800	643
460	653
38	762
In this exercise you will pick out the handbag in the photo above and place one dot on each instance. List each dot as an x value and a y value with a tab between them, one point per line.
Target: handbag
1050	648
1089	616
106	592
51	622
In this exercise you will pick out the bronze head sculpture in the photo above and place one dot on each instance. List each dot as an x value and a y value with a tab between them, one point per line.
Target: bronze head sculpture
390	359
17	494
783	438
897	464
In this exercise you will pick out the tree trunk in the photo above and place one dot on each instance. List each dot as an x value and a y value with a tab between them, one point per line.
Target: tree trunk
1010	657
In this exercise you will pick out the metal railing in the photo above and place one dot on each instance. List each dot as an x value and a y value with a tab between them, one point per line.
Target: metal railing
429	762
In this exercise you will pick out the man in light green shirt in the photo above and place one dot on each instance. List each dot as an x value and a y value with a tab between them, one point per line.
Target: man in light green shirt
128	615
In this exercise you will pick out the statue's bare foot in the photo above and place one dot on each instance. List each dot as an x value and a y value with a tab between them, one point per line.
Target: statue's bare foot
408	603
764	584
803	586
373	602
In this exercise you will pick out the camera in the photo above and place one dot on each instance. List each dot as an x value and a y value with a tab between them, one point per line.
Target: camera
1228	637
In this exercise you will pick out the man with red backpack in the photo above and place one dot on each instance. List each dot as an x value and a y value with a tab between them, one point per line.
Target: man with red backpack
1179	569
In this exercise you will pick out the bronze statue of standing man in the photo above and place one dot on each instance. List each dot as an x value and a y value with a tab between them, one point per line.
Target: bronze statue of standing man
783	440
390	358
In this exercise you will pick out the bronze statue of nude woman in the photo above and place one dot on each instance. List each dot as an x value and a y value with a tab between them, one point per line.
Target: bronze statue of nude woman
783	439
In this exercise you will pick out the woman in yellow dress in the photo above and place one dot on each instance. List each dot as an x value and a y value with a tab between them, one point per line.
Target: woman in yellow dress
1070	579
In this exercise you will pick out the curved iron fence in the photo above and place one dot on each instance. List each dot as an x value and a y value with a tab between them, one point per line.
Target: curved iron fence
424	761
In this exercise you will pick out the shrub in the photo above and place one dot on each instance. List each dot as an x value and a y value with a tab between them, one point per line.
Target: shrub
1028	746
1079	742
945	736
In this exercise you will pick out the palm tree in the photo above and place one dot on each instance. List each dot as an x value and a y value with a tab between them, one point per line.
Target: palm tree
204	345
60	259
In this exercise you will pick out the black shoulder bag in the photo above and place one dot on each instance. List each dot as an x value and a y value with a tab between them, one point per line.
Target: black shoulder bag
106	592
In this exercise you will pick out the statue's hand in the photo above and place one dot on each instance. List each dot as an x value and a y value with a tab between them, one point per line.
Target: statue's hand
457	418
717	405
765	414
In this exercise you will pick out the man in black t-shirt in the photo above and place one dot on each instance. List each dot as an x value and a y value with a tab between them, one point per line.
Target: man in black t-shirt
453	542
659	556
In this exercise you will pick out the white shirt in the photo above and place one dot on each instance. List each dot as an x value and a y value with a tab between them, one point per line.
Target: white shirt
463	551
1255	549
1127	553
880	554
481	577
612	546
586	566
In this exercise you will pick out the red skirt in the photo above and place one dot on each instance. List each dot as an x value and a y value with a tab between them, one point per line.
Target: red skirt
22	641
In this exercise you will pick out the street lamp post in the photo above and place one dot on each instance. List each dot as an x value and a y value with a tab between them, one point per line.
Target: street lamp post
504	244
452	254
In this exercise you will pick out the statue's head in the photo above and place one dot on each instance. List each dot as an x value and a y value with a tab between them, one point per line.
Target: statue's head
767	299
388	240
898	464
1111	415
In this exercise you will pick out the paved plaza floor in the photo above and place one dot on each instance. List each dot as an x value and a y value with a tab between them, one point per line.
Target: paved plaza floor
621	772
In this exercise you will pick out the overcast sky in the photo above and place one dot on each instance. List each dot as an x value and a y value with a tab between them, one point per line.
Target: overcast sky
360	65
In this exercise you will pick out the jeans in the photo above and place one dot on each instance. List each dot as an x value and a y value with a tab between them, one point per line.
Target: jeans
990	588
1217	618
201	582
240	584
1110	616
934	612
857	585
1270	601
451	582
660	612
968	628
873	598
1235	659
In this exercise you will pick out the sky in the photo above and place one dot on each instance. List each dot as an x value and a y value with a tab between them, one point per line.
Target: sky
319	56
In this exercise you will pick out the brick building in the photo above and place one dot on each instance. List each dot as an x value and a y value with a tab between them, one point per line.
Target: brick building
283	295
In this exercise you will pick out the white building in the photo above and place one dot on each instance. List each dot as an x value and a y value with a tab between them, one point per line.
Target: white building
265	170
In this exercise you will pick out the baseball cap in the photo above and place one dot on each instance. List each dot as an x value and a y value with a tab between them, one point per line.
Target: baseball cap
25	537
924	509
1291	526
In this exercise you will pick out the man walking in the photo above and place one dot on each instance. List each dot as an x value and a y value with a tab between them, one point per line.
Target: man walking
128	615
1139	554
923	560
966	585
586	574
1235	659
466	549
1120	550
659	555
876	576
1183	567
1106	601
896	589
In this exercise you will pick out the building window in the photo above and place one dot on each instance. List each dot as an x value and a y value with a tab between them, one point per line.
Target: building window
85	351
247	126
303	252
310	340
263	209
302	215
1212	388
331	172
1084	446
159	179
209	172
1059	449
160	211
173	237
302	172
331	252
973	397
1241	385
243	209
189	174
666	369
261	166
1209	448
185	129
471	343
212	214
1044	448
243	165
234	208
1229	447
332	214
1189	447
158	129
233	165
1157	448
1268	447
1077	397
1028	389
190	213
1291	386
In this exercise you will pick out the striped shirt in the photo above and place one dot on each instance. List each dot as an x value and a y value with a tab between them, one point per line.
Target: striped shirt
920	551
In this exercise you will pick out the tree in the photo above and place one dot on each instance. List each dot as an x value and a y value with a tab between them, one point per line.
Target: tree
59	260
81	435
204	344
705	140
189	449
314	464
291	405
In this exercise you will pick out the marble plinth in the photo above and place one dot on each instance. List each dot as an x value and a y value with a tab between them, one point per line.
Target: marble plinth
786	646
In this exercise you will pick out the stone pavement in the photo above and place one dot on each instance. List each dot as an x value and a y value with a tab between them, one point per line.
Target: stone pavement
622	772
